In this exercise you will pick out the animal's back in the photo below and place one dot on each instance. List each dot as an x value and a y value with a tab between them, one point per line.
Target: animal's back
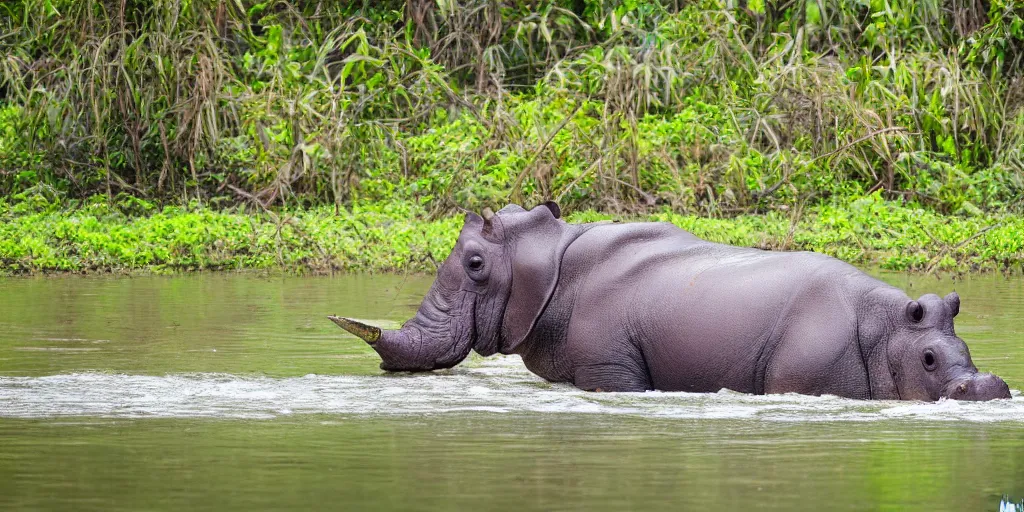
702	313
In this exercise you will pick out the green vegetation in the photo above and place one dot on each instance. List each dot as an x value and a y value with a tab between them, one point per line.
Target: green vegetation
243	133
397	236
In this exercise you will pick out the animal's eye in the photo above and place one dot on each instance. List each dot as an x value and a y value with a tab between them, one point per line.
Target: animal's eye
928	358
475	264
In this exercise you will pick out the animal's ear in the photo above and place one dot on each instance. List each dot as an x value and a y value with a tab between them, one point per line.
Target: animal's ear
539	241
553	206
952	302
915	312
472	218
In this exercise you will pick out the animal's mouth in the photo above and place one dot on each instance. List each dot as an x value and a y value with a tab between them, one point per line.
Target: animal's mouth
978	387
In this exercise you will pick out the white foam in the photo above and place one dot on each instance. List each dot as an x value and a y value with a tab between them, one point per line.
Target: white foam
496	386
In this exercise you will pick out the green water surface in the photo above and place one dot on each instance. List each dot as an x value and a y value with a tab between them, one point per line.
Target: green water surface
233	392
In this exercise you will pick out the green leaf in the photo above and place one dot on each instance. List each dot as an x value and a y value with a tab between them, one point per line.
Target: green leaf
813	12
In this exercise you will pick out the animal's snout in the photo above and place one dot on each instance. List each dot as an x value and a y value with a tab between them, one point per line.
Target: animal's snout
982	386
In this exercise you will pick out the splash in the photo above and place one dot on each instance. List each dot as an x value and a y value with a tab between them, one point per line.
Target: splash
495	386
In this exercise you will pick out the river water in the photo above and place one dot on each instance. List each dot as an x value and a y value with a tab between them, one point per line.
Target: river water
225	391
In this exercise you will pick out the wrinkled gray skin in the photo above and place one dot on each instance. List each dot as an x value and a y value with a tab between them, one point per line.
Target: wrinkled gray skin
633	307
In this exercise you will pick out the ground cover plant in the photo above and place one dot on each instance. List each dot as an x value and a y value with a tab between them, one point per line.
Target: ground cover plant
281	133
134	235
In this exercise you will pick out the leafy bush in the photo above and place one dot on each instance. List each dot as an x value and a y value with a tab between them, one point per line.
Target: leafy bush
714	107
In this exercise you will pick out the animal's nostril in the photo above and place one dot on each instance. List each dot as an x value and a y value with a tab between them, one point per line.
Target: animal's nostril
928	360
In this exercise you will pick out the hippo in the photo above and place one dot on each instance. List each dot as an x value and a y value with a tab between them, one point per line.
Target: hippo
643	306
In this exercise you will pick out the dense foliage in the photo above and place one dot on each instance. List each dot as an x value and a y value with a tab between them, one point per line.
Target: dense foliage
132	235
706	107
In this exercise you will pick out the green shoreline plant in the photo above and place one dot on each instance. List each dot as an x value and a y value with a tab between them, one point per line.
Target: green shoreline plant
133	236
144	134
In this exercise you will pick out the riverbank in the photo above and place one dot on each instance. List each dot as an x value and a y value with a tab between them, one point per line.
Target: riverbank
400	237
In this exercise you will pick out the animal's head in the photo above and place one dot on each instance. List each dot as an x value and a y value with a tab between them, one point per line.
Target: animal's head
926	359
488	293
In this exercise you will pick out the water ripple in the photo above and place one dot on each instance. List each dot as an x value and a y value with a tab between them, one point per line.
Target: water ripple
495	386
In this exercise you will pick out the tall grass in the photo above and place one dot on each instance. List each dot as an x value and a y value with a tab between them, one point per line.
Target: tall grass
714	106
